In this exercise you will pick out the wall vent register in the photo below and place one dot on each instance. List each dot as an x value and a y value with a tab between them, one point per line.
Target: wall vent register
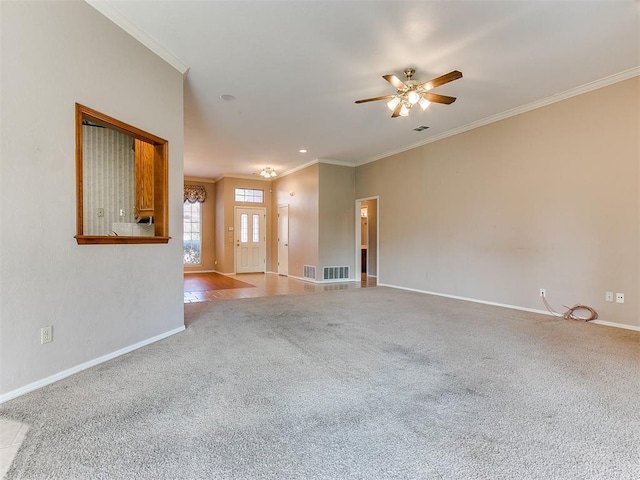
309	271
335	273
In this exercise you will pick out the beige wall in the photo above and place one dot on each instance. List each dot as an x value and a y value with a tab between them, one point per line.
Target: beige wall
225	218
99	299
549	198
208	228
220	234
336	217
299	190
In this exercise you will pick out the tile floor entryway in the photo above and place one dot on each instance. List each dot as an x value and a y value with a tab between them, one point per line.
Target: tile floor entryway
11	436
268	284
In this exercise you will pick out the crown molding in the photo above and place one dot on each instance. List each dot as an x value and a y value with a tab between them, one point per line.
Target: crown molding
108	10
587	87
341	163
301	167
189	178
256	177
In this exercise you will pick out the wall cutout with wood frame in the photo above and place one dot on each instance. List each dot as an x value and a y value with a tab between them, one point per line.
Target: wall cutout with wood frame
121	182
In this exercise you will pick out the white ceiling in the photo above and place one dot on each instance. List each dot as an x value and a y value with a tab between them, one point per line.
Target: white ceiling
296	68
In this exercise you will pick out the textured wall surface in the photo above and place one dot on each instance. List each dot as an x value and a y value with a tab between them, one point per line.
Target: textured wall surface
99	299
545	199
337	217
299	190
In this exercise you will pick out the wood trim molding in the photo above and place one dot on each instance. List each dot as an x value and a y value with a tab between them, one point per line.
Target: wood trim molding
160	180
119	240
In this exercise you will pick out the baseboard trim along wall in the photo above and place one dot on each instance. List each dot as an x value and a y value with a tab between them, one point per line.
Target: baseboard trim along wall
504	305
617	325
311	280
83	366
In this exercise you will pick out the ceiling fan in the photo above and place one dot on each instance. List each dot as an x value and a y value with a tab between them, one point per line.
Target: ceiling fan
411	92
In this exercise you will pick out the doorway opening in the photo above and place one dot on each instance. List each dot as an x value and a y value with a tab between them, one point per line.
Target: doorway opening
367	238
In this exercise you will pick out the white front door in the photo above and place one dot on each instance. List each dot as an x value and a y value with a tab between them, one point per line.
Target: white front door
283	240
251	240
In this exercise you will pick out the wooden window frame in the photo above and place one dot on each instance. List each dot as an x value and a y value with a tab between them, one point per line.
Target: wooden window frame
160	180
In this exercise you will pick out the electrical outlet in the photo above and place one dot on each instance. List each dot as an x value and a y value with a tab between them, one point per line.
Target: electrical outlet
122	212
543	292
608	296
101	212
620	297
46	334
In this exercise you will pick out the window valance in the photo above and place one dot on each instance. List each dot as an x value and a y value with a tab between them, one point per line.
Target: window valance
194	193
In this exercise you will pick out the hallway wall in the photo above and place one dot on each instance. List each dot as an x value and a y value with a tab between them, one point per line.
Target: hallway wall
99	299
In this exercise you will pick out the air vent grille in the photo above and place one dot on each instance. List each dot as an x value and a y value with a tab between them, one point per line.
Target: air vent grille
309	271
335	273
421	128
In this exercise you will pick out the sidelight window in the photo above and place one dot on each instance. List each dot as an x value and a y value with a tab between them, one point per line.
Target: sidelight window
192	237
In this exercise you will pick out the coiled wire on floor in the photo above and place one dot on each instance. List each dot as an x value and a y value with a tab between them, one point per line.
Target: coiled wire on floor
570	314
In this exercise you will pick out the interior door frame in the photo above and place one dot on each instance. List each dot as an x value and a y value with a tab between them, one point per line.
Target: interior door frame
358	262
236	230
278	237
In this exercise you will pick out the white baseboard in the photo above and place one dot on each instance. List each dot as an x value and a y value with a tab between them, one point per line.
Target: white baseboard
617	325
83	366
504	305
312	280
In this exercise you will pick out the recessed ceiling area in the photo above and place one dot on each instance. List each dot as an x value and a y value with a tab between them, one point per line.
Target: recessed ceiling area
295	69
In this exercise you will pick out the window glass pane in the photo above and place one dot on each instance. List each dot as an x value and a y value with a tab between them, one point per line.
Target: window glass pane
256	228
249	195
244	228
192	242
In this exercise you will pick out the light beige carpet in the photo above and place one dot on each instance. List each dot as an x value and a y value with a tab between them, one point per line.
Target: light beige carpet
367	384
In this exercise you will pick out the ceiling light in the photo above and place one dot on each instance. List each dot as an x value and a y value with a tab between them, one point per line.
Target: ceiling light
393	103
413	97
424	103
404	111
227	98
302	150
268	172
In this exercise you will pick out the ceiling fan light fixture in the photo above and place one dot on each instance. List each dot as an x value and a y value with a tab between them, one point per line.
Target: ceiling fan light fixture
393	103
411	92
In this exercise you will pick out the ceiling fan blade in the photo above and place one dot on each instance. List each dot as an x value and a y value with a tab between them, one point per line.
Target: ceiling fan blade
446	78
435	98
375	99
395	81
396	112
